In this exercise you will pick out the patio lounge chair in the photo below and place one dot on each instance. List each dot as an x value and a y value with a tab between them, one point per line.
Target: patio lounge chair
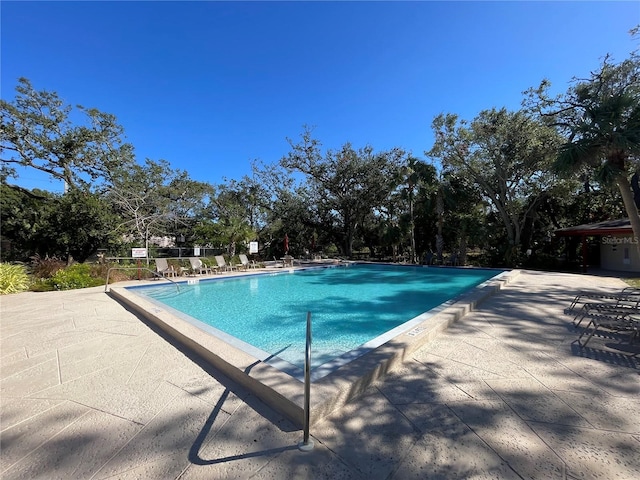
288	260
246	263
223	265
595	309
612	321
628	295
277	264
163	268
199	267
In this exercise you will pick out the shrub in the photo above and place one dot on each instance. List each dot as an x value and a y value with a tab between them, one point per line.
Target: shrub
13	279
209	261
42	285
46	267
75	276
100	271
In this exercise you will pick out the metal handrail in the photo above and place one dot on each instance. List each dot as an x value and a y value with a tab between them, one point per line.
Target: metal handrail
154	273
307	444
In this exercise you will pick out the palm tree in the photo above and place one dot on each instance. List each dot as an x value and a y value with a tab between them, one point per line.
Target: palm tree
601	118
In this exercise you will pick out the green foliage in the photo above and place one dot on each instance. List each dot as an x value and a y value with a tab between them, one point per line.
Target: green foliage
42	285
46	267
24	216
492	187
41	223
634	282
155	199
37	132
13	279
228	219
79	224
331	250
75	276
600	119
177	264
346	185
100	270
508	155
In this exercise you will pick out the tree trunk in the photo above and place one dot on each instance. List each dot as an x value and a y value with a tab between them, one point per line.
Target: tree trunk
630	206
146	245
412	227
439	238
350	232
463	249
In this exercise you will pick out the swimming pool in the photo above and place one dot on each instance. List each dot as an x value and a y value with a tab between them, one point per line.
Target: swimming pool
336	382
354	309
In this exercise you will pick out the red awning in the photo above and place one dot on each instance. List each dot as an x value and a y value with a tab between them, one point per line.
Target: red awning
609	227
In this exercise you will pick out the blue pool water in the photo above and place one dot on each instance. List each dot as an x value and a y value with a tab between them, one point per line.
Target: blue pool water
351	306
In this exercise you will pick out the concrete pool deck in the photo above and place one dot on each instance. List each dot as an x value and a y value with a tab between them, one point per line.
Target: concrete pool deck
89	390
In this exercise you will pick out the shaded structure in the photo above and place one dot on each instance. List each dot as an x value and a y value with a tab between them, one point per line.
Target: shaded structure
618	249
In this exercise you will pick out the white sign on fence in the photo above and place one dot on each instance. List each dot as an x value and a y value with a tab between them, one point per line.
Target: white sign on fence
139	252
253	247
196	251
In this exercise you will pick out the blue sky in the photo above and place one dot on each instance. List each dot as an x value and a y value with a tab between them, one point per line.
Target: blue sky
211	86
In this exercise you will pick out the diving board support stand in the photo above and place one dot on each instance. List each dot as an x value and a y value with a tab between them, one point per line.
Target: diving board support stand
307	445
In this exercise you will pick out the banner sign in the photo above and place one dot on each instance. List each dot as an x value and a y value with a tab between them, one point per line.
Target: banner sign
253	247
139	252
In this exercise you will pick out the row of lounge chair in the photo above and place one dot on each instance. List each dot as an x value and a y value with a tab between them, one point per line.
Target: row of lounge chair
615	312
199	267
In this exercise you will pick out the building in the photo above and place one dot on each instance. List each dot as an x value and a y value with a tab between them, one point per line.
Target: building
618	245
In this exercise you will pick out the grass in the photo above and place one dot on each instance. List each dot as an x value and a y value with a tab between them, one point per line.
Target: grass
634	282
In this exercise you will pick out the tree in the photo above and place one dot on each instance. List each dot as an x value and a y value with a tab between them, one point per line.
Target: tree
347	184
463	219
508	155
232	211
71	226
155	200
37	132
79	224
405	215
416	175
600	117
24	216
281	205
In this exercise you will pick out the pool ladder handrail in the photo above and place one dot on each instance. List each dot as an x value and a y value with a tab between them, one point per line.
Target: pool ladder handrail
154	273
307	445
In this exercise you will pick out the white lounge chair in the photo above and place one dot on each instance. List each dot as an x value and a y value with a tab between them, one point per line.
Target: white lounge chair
198	266
246	263
163	268
288	260
224	266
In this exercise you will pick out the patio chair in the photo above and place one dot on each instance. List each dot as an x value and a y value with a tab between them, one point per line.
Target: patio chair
246	263
277	264
163	268
223	265
596	309
198	266
612	321
628	295
288	260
